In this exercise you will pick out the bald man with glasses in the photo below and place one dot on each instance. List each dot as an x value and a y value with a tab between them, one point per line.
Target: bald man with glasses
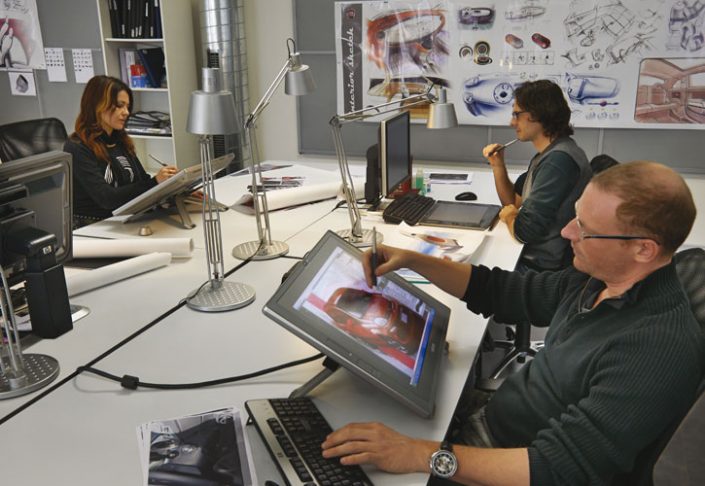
622	359
536	209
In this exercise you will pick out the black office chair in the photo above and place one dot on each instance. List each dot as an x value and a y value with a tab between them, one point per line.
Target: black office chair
690	266
602	162
31	137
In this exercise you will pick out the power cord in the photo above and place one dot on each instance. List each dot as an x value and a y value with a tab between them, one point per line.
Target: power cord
133	382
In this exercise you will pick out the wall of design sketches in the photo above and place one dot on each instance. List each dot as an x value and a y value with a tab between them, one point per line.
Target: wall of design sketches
621	63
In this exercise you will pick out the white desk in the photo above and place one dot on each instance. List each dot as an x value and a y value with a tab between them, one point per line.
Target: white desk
84	432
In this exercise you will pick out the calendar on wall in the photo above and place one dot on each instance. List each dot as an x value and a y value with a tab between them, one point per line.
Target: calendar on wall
620	63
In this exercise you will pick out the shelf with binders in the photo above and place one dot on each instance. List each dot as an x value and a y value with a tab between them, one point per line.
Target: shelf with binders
159	85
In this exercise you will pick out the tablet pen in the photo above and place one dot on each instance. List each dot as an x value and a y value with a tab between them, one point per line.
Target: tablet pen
157	160
502	147
374	257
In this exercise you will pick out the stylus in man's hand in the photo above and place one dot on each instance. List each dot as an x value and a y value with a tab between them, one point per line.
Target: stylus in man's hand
502	147
374	257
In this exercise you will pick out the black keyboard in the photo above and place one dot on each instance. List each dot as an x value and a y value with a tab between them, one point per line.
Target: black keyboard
409	208
293	430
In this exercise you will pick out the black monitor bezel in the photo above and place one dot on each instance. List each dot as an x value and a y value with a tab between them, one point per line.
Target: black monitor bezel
345	350
388	187
34	167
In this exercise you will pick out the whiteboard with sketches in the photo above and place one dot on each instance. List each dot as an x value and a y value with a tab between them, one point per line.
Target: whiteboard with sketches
21	45
621	63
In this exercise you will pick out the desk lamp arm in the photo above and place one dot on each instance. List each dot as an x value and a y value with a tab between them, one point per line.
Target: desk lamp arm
368	112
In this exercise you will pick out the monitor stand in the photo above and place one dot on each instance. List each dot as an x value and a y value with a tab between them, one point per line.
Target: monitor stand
329	365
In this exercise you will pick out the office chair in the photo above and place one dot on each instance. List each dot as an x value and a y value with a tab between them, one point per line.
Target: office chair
688	432
602	162
30	137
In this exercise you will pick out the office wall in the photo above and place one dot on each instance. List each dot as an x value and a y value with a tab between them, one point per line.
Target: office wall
68	28
314	30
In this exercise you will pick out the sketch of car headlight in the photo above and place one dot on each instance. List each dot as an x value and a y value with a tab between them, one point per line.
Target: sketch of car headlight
581	89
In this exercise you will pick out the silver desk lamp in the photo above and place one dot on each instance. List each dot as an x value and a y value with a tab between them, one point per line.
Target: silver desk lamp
299	81
442	115
212	112
19	373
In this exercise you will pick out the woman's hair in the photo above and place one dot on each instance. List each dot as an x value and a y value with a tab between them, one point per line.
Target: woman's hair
100	96
544	100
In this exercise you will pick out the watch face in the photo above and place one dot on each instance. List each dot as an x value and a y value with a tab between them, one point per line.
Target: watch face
444	464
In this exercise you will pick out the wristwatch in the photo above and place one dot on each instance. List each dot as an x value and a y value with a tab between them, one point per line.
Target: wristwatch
444	464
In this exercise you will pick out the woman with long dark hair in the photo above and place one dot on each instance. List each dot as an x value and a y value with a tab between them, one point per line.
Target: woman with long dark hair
106	170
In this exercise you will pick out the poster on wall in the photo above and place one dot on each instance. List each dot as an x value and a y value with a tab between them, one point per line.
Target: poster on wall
620	63
21	44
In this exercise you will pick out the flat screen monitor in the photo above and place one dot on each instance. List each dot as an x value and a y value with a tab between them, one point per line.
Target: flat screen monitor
392	335
395	152
36	191
183	182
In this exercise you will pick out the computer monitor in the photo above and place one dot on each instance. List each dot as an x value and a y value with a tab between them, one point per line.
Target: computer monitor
180	184
392	335
395	152
36	191
36	235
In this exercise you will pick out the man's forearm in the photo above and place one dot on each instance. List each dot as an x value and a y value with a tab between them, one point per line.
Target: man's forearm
503	185
452	277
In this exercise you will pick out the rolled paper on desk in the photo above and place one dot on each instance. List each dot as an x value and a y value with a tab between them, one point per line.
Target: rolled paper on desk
128	247
90	280
295	196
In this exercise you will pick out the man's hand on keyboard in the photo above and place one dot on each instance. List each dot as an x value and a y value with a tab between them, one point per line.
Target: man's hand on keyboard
377	444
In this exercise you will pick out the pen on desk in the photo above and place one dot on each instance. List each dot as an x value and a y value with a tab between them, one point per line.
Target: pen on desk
374	256
502	147
157	160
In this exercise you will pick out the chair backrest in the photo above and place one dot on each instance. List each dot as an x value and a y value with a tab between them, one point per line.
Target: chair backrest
31	137
602	162
681	462
690	267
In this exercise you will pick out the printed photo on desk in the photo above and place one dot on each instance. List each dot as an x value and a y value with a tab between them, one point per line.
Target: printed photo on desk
207	448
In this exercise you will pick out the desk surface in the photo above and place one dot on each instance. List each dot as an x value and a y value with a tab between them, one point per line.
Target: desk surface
85	430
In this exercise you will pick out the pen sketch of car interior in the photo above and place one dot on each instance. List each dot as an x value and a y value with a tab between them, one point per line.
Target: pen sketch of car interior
195	450
610	27
485	94
406	44
685	25
476	18
376	319
671	91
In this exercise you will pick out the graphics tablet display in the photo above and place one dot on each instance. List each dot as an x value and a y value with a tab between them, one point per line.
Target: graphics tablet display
461	214
392	335
184	181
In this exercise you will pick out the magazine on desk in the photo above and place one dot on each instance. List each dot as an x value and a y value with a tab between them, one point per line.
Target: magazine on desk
205	448
458	246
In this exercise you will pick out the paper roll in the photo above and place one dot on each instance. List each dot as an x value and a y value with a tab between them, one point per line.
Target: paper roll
85	281
285	198
128	247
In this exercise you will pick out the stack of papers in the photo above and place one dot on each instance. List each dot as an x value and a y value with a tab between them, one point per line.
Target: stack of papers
204	448
458	246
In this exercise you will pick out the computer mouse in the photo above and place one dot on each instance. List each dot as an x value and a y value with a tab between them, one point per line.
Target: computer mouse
466	196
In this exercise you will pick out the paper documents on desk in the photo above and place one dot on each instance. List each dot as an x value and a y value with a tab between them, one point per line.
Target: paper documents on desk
458	246
209	447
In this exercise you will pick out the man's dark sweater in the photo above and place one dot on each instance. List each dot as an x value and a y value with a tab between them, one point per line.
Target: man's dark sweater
98	189
609	379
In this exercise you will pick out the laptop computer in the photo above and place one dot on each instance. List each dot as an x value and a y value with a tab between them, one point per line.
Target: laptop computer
415	209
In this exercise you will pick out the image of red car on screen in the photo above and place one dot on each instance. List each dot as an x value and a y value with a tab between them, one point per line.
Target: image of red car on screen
375	319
